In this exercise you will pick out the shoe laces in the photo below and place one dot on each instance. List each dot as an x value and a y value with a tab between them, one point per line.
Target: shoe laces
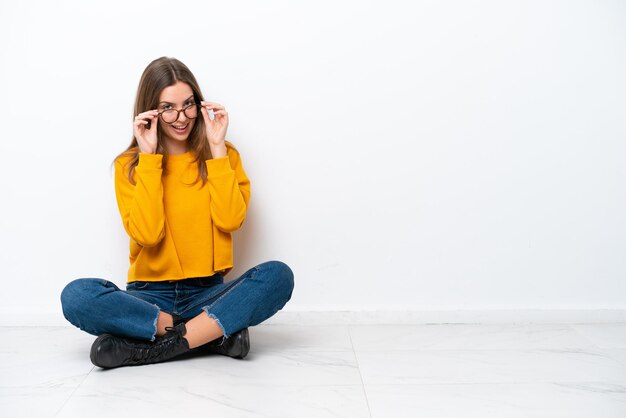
162	346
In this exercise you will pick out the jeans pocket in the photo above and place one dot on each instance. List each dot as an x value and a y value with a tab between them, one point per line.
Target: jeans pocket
137	285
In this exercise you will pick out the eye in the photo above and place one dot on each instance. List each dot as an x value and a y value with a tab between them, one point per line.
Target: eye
165	107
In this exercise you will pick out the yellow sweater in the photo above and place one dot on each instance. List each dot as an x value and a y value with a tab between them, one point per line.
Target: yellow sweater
180	229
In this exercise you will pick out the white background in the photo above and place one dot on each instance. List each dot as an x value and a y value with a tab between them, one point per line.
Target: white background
442	155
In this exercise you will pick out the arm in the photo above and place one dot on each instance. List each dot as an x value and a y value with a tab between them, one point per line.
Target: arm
229	188
141	205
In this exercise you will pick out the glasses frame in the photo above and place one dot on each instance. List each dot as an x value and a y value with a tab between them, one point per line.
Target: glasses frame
178	113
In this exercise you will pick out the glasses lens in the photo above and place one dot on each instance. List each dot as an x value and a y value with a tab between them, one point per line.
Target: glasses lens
191	111
169	116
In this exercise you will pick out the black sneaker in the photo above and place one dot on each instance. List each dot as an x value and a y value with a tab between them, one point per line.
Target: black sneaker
109	351
236	346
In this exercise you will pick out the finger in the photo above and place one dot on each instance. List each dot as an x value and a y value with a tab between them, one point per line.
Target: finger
139	126
138	132
147	114
210	113
205	115
143	117
212	105
206	102
140	121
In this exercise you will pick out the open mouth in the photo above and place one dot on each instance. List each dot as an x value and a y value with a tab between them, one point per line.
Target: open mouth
180	129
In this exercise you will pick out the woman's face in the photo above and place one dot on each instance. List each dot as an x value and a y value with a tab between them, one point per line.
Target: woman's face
176	97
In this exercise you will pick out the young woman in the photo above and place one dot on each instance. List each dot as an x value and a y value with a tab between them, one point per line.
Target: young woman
181	190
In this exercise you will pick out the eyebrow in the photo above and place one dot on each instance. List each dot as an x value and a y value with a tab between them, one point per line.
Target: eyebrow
186	100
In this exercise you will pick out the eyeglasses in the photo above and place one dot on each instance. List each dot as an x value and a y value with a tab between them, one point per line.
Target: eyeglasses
170	116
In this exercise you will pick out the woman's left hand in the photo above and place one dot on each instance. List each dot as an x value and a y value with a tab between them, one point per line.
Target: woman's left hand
216	128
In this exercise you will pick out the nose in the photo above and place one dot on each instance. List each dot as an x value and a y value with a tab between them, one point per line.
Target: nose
181	117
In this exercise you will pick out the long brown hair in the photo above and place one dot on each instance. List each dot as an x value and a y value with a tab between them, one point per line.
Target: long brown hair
159	74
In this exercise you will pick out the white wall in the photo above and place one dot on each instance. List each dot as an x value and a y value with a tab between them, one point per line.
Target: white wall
419	155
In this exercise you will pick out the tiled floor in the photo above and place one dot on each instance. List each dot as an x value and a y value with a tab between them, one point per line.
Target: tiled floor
377	371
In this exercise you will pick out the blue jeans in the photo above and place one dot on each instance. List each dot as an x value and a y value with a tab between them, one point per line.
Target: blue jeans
98	306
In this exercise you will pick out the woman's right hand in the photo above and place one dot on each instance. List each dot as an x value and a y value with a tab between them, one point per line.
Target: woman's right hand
146	138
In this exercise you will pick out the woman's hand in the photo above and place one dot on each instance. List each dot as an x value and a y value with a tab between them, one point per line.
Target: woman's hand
216	128
146	138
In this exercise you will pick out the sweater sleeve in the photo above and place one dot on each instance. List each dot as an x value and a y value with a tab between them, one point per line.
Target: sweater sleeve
141	204
229	188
